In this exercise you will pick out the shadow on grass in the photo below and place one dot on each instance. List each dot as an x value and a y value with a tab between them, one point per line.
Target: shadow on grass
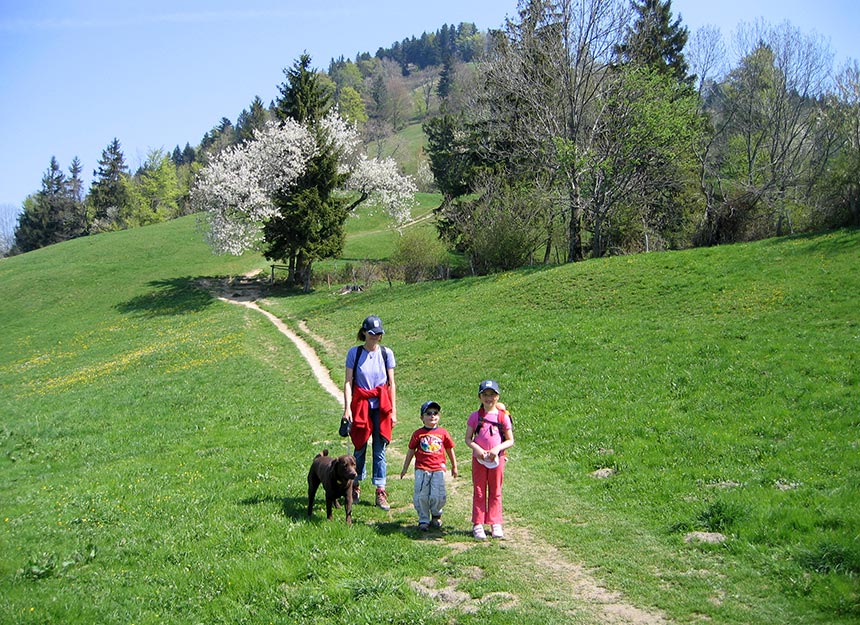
295	508
829	242
410	529
176	296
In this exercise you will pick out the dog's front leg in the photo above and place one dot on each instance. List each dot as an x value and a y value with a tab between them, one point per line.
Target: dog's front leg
347	499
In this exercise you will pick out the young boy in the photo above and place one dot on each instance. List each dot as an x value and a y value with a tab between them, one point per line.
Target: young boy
428	445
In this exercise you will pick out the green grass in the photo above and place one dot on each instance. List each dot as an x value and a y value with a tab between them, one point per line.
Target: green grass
371	236
155	441
406	147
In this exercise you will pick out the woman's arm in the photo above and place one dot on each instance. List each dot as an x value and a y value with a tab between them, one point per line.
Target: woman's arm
392	389
347	395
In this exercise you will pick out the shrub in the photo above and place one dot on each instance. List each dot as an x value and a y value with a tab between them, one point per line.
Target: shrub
420	256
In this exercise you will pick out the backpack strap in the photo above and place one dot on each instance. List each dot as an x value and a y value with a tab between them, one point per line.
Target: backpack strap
359	349
493	424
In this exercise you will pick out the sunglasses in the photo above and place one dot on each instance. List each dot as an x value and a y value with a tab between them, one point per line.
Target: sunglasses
432	413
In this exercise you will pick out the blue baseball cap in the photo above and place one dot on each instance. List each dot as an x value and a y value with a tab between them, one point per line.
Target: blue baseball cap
372	325
429	404
489	385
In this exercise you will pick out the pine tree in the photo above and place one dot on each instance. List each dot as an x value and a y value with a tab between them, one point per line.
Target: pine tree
250	120
311	220
189	155
76	185
51	216
303	98
78	220
655	41
108	194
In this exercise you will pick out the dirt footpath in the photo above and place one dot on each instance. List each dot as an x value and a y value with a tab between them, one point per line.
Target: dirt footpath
568	584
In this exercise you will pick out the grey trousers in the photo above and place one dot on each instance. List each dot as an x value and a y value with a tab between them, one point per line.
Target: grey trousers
429	495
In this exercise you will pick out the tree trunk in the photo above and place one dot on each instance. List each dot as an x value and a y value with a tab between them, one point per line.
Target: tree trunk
574	252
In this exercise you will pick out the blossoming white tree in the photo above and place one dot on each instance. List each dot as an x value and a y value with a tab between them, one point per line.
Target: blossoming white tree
235	192
288	192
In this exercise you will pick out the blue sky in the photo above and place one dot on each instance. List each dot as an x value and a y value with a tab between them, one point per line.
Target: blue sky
74	74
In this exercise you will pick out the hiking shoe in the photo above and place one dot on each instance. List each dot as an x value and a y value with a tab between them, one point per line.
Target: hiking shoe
497	531
356	491
478	532
436	522
382	499
423	527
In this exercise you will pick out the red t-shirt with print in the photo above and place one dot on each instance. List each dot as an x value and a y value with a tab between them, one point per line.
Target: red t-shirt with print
430	446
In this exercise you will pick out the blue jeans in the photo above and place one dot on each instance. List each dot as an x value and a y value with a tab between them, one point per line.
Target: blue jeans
378	447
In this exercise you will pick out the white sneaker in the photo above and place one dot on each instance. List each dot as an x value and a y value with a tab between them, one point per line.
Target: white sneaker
497	531
478	532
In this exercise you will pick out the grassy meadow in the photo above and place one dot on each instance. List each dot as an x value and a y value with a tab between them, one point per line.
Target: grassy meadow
155	440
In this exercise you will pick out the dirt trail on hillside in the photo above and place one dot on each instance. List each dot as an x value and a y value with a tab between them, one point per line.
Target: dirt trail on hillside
561	582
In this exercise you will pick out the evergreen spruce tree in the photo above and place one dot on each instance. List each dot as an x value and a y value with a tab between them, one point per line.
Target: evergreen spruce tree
77	223
311	220
189	155
655	41
255	118
303	98
76	185
51	216
108	193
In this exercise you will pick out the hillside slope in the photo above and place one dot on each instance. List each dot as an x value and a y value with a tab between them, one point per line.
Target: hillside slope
156	441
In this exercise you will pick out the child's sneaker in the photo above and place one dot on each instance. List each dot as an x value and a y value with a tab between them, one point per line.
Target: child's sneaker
436	522
497	531
423	527
478	532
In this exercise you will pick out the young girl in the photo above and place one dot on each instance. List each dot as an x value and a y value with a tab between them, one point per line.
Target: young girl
489	432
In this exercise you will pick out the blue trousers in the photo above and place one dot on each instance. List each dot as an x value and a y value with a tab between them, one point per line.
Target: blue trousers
378	446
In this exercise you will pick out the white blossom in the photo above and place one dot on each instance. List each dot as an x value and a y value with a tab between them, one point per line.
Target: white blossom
381	181
377	179
235	192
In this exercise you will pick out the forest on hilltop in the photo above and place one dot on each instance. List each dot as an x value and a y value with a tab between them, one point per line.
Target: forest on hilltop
577	130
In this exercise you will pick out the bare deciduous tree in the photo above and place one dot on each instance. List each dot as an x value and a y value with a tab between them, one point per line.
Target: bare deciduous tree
769	122
548	78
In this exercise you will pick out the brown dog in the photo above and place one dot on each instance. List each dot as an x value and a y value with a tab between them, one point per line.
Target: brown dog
336	476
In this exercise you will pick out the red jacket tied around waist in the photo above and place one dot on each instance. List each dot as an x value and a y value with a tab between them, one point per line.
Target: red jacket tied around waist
361	425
